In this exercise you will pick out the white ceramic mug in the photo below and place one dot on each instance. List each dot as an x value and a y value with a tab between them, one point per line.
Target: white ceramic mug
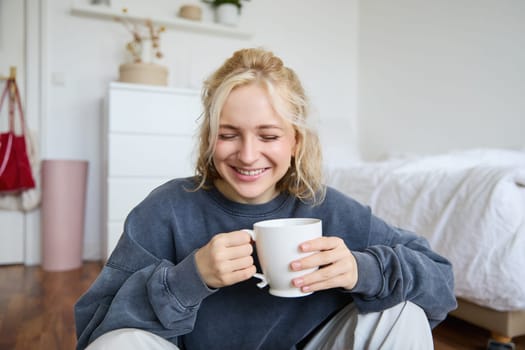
277	243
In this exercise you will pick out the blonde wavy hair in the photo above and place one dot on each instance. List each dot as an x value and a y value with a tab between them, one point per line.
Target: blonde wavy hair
258	66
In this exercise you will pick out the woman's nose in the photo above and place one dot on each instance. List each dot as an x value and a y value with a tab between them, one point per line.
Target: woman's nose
249	151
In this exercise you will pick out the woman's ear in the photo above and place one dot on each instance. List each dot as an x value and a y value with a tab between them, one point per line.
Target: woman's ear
297	144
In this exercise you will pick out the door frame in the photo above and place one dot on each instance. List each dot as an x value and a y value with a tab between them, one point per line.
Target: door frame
35	97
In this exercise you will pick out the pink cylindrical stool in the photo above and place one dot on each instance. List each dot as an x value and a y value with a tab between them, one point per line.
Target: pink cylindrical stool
63	206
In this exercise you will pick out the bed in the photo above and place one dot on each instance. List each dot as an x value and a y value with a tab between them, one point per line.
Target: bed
470	205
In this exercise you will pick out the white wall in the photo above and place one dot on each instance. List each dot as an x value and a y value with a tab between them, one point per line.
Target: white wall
12	53
433	75
317	39
11	46
440	75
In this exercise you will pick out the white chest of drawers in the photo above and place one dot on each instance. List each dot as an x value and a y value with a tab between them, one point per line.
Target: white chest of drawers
149	135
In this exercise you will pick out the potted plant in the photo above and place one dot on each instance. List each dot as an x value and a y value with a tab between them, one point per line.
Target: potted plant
226	11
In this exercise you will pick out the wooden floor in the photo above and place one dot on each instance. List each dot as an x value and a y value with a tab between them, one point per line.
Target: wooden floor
36	312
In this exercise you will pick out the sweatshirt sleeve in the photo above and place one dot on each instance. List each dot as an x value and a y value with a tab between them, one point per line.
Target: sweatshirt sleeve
399	266
137	289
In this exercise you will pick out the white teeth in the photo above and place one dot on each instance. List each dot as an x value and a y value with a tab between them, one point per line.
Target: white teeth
250	172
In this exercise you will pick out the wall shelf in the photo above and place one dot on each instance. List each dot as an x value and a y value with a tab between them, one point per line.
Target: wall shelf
104	12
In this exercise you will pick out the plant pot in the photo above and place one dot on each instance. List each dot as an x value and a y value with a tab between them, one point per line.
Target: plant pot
192	12
143	73
227	14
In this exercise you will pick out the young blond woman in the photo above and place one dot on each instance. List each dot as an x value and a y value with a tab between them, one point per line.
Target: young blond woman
181	274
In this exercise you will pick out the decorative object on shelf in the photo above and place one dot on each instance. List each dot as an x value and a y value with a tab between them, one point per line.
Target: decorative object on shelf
227	12
193	12
144	49
141	34
206	28
100	2
143	73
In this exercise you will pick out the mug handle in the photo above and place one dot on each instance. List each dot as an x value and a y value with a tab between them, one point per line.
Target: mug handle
263	282
260	276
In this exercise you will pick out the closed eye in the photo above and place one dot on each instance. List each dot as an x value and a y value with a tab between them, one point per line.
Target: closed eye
270	137
227	136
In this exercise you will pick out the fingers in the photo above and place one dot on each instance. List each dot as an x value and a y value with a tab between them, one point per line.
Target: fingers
329	250
337	265
232	239
234	277
233	265
226	259
321	243
340	274
233	245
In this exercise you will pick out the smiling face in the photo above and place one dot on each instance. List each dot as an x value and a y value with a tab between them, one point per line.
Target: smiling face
254	146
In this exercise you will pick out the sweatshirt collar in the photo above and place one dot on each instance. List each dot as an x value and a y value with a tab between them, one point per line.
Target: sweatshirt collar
242	209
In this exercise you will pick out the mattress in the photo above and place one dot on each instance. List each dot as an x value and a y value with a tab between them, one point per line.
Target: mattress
470	205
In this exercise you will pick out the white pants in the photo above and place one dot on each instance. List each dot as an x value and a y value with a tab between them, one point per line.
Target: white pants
403	326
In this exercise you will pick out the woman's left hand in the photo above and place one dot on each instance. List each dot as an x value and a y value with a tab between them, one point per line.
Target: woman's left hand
337	265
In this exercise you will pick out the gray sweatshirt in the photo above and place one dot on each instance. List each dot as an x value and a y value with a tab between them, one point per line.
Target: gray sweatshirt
151	281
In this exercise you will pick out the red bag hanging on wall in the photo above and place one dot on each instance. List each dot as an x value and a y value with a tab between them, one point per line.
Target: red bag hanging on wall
15	170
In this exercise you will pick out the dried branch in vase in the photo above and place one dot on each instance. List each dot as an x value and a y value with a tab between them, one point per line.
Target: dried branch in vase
141	34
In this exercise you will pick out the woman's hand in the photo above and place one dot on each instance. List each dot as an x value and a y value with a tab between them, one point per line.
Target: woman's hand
226	259
337	265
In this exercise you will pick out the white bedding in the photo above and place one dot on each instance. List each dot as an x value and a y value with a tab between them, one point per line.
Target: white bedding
471	207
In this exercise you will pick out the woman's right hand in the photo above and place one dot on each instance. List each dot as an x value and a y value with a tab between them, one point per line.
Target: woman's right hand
226	259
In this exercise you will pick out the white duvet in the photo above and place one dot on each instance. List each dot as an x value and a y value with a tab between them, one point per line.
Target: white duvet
471	207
